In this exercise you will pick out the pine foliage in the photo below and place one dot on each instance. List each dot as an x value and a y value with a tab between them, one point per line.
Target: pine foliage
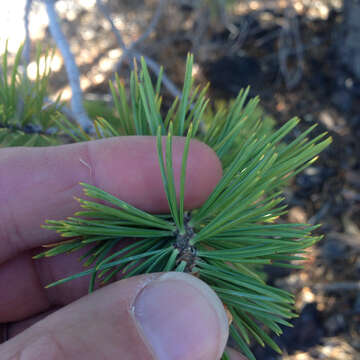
225	240
26	117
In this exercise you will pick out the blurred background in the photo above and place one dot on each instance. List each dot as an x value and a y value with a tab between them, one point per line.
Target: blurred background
301	56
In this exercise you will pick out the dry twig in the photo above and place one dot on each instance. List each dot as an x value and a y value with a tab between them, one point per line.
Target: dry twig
26	51
71	67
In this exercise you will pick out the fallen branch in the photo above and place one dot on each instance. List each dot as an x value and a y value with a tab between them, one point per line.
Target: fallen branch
27	43
72	70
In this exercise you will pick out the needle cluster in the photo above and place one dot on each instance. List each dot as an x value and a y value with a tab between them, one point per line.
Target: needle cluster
231	236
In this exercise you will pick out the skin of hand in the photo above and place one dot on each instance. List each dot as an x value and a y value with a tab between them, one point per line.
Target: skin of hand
155	316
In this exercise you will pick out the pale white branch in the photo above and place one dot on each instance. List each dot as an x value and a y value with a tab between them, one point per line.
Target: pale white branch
27	43
72	70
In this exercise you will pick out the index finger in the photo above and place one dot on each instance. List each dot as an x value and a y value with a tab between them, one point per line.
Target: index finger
39	183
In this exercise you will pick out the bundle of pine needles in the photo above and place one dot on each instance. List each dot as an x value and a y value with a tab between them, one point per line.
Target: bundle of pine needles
225	240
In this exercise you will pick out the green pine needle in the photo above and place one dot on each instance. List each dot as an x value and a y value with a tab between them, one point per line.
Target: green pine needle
224	242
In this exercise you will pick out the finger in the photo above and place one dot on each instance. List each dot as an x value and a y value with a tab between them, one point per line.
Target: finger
39	183
15	328
171	316
28	279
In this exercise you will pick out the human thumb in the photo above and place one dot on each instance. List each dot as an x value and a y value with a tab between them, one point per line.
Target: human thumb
169	316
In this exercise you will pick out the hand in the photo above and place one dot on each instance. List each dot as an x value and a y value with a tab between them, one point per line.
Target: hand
156	316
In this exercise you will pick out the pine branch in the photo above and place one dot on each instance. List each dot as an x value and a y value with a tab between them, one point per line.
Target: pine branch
225	240
25	117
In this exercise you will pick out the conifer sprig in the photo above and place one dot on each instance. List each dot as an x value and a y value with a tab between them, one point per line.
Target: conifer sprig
224	241
27	118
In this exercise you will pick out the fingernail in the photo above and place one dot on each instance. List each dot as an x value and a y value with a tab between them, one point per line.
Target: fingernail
180	317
